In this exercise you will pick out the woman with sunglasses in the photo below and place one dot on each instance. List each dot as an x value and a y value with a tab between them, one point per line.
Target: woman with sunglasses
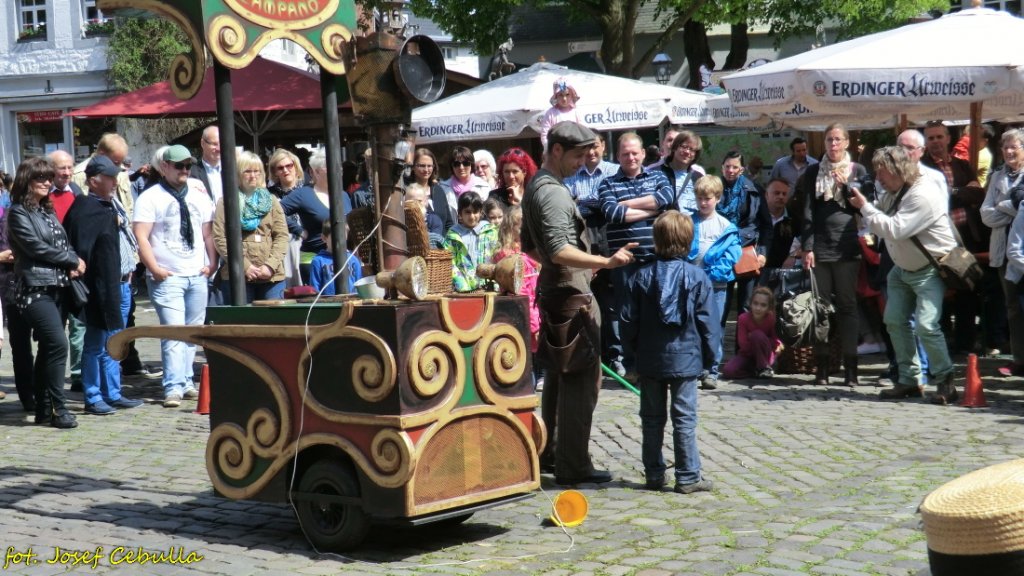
463	180
516	168
286	175
424	173
832	245
264	232
44	264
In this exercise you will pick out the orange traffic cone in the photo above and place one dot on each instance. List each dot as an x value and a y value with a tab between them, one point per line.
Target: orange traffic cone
974	394
203	405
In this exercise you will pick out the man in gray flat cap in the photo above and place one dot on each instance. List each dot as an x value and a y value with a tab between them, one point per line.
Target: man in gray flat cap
554	233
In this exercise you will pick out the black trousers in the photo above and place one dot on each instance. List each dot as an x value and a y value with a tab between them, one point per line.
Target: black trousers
46	316
837	284
20	335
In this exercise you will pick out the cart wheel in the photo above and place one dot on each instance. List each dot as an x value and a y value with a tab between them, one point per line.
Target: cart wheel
331	525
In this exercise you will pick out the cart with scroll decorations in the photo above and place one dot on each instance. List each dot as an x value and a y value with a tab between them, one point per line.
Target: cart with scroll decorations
410	409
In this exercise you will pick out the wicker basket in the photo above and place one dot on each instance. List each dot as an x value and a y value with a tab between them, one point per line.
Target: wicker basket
439	262
802	360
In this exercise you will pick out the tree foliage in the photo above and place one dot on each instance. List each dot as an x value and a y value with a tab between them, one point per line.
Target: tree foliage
141	50
485	24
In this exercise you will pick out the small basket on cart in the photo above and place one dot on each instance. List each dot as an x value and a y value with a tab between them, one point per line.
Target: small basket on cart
360	222
439	262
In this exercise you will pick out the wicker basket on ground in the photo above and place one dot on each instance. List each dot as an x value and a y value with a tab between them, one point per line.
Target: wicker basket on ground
802	361
439	262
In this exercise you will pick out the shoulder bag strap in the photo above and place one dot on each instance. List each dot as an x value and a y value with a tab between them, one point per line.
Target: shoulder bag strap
920	246
679	191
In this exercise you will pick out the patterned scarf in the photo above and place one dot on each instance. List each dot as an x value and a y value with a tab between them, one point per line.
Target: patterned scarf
732	200
184	215
128	246
254	208
825	187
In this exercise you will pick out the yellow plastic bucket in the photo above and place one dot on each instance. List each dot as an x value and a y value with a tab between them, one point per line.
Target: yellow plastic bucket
570	509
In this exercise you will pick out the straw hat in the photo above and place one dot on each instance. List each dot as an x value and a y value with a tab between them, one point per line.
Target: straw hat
562	85
975	524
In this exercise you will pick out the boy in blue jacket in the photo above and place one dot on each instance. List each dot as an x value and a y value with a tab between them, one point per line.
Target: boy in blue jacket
321	269
716	248
670	318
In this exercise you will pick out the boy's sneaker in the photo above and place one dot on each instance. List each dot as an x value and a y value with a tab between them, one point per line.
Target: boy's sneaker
191	394
655	484
708	382
704	485
765	373
618	368
172	401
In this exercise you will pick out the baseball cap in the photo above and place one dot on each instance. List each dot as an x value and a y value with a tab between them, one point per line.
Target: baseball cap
571	135
101	165
177	153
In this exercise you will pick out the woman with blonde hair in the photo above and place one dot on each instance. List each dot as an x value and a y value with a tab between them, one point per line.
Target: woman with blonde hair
264	232
286	175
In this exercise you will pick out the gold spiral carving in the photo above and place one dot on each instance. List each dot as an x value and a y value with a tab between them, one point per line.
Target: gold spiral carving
369	379
227	34
499	358
234	449
333	39
391	452
185	76
476	332
433	358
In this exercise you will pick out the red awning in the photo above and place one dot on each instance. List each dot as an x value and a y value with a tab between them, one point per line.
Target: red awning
264	85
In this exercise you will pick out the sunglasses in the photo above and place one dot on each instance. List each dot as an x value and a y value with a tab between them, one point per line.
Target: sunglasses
183	165
463	163
42	179
282	167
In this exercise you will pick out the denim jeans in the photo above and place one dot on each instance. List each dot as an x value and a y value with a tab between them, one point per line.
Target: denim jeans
721	293
179	300
76	340
917	295
683	397
263	291
101	374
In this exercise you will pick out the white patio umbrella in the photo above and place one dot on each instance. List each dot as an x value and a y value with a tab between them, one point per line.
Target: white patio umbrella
513	105
899	72
798	116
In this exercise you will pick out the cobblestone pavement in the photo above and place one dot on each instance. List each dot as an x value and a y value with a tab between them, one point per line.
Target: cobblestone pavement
808	480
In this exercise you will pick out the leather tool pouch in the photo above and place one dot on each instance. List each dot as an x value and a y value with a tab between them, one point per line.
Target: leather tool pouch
570	339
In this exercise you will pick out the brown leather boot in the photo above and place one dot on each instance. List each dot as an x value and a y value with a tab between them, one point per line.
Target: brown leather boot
821	374
850	368
900	392
945	391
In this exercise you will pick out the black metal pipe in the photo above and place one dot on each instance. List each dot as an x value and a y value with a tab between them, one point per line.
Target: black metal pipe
332	140
229	180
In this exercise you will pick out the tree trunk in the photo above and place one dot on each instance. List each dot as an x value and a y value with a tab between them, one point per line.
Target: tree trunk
698	52
617	46
739	45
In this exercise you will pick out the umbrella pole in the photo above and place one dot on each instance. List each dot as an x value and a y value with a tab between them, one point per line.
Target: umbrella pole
229	180
975	132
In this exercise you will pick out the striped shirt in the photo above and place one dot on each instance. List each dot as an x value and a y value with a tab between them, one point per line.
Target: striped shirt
621	187
583	184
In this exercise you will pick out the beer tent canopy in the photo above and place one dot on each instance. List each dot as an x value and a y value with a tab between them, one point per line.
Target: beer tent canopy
511	105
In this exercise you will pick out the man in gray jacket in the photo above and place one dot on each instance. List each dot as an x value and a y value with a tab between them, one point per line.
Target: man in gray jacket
915	287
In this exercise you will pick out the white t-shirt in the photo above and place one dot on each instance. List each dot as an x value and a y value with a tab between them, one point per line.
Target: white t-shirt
709	230
156	205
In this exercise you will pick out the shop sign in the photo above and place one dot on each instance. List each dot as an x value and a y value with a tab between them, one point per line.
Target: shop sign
40	116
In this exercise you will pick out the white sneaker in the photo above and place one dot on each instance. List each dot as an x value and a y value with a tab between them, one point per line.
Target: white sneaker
870	348
172	401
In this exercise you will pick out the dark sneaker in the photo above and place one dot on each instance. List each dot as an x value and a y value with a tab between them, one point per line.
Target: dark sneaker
76	385
765	373
63	419
654	483
100	408
945	391
123	402
704	485
900	392
149	373
595	477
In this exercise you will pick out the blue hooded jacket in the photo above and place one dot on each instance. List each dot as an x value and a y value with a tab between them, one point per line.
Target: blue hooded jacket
721	256
669	317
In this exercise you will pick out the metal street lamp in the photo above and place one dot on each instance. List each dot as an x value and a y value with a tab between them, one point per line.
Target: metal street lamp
662	67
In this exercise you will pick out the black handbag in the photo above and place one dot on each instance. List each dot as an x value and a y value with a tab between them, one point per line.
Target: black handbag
79	293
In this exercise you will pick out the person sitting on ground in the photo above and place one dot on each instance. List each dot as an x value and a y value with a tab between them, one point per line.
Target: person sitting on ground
472	242
321	269
758	343
669	318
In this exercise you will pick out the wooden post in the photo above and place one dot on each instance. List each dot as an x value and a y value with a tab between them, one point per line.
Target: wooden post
332	140
975	132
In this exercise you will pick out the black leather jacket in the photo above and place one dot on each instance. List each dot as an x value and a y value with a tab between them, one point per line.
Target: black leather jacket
37	259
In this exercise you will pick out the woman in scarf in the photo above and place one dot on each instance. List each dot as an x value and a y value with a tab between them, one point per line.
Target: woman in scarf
463	180
831	243
264	232
742	205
